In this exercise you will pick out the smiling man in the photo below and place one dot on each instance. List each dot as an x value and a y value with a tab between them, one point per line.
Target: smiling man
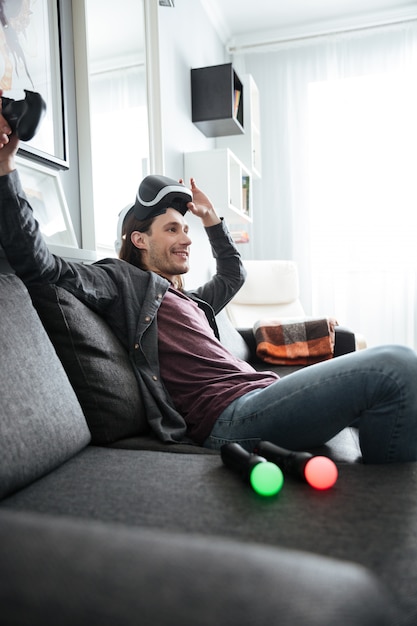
193	388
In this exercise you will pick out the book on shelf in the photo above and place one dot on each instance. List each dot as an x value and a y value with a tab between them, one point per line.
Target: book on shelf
246	194
236	102
240	236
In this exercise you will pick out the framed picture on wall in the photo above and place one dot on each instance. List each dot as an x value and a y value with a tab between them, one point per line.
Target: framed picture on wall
31	59
43	189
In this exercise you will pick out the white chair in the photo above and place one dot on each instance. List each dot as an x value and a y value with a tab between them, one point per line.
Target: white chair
271	291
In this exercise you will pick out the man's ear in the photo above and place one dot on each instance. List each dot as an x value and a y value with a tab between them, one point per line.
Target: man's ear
138	240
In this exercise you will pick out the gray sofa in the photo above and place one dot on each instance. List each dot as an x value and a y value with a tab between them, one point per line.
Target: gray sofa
101	524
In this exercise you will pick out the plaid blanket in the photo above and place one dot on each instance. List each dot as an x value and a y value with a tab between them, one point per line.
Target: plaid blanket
295	341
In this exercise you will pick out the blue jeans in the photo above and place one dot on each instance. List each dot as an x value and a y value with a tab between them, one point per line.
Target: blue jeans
376	388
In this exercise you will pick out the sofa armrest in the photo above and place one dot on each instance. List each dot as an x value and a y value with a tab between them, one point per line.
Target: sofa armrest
345	341
67	571
249	337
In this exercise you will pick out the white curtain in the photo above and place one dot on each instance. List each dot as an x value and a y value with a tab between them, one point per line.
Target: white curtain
338	192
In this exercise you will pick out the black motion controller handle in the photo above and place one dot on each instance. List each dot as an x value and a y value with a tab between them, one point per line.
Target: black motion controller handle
239	460
24	116
289	461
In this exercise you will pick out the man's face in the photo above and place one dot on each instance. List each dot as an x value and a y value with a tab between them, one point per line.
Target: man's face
165	249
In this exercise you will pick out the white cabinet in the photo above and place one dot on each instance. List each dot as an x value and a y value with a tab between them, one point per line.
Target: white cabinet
247	147
226	181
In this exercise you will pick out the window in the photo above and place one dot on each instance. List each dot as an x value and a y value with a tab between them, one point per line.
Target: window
363	202
118	111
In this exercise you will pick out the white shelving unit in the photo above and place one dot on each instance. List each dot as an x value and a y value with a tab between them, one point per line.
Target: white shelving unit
247	147
226	181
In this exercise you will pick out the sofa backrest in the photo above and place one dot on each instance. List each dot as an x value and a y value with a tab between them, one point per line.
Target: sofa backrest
41	421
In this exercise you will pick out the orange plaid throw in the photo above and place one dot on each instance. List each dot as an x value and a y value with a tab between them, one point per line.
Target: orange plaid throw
296	341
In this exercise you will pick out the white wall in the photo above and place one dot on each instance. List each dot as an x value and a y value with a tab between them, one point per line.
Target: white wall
187	39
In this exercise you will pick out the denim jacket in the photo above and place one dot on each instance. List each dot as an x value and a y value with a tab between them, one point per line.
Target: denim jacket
127	297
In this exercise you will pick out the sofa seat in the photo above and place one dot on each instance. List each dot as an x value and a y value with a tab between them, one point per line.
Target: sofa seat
368	517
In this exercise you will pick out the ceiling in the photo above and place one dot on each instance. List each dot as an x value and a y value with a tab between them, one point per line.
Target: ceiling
240	20
237	21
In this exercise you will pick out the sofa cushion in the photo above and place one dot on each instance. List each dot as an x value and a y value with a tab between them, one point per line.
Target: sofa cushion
41	421
97	365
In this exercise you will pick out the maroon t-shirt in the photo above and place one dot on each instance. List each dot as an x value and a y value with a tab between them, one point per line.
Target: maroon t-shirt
201	376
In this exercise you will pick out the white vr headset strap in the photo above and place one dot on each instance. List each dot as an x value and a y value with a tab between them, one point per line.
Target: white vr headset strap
122	215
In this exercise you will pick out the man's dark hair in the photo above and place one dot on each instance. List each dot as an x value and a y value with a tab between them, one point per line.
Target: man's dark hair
129	252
